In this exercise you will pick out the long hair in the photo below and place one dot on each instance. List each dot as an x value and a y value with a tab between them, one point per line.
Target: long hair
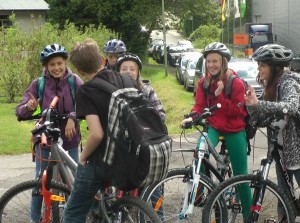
269	93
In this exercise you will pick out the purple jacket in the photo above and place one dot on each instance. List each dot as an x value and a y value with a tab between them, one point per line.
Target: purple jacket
54	87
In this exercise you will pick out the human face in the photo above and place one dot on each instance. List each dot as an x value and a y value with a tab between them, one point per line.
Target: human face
264	71
56	66
130	67
112	58
214	63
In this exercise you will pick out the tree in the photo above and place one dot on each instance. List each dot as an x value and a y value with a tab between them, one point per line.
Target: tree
126	17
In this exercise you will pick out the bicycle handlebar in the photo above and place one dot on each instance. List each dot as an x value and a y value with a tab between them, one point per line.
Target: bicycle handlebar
207	112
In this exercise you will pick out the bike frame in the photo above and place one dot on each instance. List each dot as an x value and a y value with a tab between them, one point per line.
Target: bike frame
262	176
203	147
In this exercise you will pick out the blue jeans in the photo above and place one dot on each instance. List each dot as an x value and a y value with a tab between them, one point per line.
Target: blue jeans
40	166
88	180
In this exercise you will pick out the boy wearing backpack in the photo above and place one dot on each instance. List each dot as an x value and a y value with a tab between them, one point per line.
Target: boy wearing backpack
92	105
56	80
229	120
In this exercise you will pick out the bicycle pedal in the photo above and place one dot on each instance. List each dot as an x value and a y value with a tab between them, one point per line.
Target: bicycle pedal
237	208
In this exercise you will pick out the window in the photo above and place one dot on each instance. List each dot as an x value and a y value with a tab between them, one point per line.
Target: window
4	21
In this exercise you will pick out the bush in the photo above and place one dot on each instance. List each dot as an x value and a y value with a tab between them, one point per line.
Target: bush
20	51
205	35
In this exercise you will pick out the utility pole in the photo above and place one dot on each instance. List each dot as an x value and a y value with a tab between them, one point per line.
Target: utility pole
164	34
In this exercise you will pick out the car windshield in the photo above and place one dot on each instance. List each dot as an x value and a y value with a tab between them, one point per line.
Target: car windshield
244	69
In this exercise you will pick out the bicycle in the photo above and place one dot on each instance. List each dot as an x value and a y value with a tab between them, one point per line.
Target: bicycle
265	193
182	194
15	203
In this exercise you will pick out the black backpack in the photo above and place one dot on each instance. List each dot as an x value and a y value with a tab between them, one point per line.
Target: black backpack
138	147
250	129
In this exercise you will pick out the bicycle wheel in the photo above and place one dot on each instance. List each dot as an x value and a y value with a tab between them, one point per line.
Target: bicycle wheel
167	196
132	210
228	190
16	202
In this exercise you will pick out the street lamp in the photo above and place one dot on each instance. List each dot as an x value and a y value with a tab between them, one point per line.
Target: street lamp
164	37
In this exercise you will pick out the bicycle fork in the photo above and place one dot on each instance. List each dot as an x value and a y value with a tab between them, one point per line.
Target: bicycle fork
192	185
259	186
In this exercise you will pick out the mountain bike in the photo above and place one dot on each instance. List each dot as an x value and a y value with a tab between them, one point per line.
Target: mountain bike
265	193
15	203
182	194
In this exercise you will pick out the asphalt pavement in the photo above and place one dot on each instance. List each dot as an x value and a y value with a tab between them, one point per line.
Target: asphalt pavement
19	168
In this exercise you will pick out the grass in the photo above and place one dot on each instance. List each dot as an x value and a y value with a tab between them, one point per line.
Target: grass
15	136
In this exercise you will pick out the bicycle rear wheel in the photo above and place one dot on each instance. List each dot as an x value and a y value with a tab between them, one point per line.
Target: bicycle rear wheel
228	190
167	196
16	202
132	210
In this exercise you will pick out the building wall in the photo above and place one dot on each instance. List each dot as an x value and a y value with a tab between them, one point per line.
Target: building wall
25	19
285	18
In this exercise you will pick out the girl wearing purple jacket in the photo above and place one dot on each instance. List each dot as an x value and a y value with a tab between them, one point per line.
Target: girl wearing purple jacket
55	74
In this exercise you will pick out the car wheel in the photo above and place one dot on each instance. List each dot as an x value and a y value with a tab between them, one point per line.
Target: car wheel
291	68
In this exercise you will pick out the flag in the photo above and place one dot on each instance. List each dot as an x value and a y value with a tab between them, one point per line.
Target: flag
223	10
236	10
243	7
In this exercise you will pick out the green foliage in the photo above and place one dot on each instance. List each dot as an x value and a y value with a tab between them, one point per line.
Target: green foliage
205	35
20	51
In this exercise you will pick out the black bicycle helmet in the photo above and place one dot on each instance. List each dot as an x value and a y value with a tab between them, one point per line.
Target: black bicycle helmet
273	54
219	48
126	57
53	50
114	46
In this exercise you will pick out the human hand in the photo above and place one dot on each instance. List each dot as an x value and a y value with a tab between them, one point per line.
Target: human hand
250	96
182	124
32	104
220	88
70	129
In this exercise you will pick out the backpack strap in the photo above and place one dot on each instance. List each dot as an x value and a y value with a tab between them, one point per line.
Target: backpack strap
228	86
72	84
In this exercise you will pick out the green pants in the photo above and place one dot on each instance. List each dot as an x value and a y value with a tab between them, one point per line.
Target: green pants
236	145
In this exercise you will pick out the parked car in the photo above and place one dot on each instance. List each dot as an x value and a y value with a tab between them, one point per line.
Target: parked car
153	44
182	62
189	73
245	68
295	63
173	52
156	51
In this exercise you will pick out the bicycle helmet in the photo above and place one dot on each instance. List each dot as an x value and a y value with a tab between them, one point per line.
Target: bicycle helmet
114	46
273	54
53	50
219	48
126	57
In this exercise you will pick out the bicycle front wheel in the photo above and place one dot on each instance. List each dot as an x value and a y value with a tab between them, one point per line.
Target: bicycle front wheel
229	191
133	209
15	203
168	197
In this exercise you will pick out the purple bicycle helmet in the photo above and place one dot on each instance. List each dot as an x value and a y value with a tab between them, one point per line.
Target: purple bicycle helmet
114	46
273	54
219	48
127	57
53	50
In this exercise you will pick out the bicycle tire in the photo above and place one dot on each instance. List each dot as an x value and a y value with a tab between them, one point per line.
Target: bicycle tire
170	193
15	202
133	209
268	211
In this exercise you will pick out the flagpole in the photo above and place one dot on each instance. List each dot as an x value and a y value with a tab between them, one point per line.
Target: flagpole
233	28
228	13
